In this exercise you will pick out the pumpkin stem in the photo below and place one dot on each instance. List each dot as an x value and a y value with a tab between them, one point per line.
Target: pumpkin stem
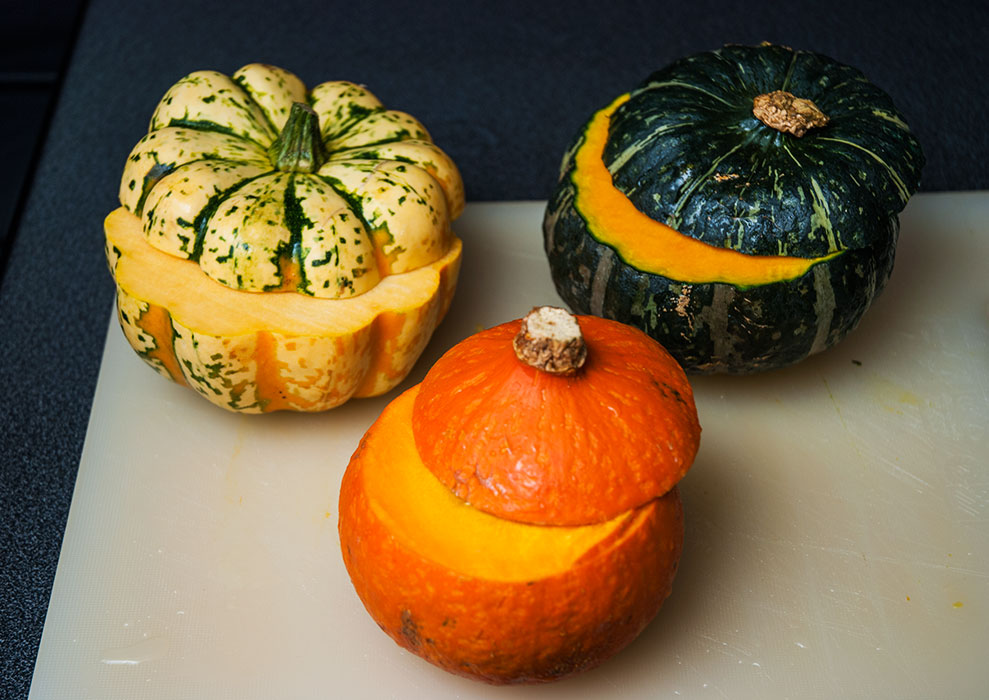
550	340
784	112
299	148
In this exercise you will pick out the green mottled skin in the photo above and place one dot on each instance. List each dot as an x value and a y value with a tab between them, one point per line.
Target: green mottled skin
686	150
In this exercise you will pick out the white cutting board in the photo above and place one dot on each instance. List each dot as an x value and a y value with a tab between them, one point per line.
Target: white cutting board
837	515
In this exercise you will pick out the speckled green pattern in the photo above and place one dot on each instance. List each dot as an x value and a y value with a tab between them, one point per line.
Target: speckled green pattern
687	150
208	188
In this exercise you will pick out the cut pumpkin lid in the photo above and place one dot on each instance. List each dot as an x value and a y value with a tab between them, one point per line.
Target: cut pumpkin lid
761	150
271	187
557	419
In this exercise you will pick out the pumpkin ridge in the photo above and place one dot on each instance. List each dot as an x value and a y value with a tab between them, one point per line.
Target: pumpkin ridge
152	178
398	138
157	323
206	125
394	174
898	181
680	84
211	94
354	201
249	92
366	113
674	218
431	166
295	219
201	222
381	128
157	154
791	66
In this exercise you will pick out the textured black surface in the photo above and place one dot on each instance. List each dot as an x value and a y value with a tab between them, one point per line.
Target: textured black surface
502	87
25	106
34	45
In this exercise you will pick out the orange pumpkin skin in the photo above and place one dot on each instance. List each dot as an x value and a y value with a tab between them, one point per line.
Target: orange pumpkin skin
526	445
517	631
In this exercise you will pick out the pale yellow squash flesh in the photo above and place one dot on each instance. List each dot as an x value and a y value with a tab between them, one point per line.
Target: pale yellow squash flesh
258	352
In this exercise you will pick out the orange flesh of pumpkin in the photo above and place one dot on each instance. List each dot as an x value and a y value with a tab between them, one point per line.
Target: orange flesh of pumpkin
427	518
652	246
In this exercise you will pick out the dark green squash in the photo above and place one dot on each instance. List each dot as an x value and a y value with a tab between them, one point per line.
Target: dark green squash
741	242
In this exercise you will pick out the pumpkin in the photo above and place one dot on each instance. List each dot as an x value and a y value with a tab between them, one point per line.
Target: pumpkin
740	206
514	518
279	248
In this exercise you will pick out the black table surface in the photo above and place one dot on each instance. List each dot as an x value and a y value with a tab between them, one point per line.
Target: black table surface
501	86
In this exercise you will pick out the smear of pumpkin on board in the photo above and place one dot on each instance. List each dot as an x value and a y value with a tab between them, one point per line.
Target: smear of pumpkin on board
891	396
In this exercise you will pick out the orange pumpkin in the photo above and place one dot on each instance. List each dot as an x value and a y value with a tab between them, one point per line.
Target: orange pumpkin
514	518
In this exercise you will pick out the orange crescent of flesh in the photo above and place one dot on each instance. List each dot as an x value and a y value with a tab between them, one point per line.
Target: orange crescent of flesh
652	246
428	518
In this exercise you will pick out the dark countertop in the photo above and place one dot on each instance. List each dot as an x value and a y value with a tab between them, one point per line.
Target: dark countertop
501	86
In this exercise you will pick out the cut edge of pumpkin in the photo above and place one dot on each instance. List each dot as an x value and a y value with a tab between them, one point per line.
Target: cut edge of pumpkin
652	246
427	518
205	306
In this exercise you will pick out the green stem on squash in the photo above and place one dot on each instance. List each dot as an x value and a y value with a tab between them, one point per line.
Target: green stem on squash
299	148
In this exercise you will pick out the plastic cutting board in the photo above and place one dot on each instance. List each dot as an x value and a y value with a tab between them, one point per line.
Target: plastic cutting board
837	515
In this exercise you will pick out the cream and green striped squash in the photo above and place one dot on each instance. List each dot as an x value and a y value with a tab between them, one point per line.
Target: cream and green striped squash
310	230
741	206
